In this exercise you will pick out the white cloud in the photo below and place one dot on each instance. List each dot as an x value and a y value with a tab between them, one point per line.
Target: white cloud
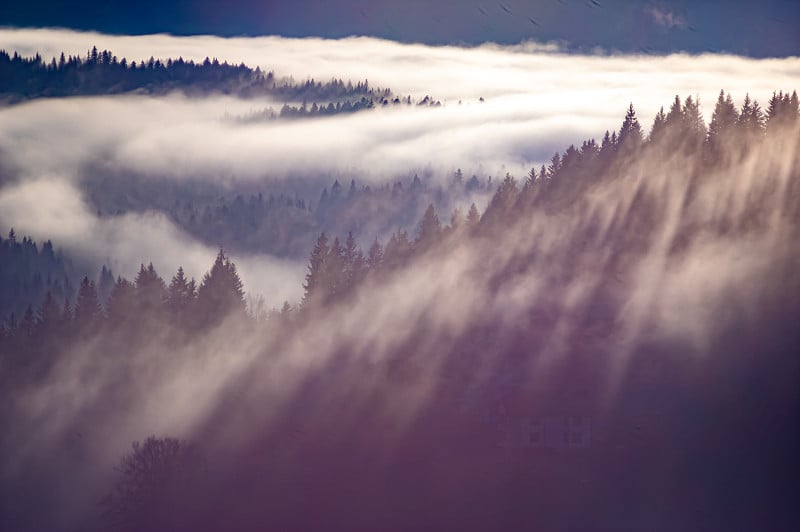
53	208
537	101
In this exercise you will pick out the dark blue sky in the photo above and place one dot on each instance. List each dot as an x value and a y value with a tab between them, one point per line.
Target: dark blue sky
755	28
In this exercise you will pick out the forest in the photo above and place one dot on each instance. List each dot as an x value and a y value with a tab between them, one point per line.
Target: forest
629	281
101	72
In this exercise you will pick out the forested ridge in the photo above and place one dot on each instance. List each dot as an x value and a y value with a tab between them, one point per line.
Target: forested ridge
258	220
100	72
279	222
402	375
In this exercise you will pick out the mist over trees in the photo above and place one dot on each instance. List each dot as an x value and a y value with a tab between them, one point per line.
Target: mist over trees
282	223
101	72
28	272
644	285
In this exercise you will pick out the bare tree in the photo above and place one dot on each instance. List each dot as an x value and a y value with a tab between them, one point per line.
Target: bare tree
158	487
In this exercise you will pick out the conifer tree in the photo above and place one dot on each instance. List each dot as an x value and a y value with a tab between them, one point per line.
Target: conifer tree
555	165
221	293
430	230
354	264
693	132
105	284
335	276
28	324
630	134
49	313
659	125
88	310
180	293
674	119
150	291
121	302
398	250
315	278
67	314
751	119
375	256
723	123
530	179
473	216
502	202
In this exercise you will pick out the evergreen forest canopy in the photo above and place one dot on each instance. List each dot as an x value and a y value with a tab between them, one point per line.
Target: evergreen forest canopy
102	73
284	225
647	282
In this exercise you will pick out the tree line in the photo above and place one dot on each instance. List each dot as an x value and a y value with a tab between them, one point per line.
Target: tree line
280	223
27	272
338	266
130	307
101	72
163	479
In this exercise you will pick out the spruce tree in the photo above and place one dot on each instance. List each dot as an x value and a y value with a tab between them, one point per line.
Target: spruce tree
221	293
354	264
375	256
693	132
315	278
49	313
121	304
180	294
88	310
659	125
723	124
473	216
150	291
630	134
430	230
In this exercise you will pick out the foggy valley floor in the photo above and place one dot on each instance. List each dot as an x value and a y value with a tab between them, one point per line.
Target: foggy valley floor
605	341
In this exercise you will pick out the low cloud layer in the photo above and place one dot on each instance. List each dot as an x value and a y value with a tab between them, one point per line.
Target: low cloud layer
668	299
53	208
537	100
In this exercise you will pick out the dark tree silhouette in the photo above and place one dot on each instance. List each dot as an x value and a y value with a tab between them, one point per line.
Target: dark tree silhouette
221	293
150	292
659	126
694	127
354	263
121	302
630	136
158	487
723	125
335	278
473	216
398	250
88	311
429	232
105	284
751	120
49	315
181	295
315	278
375	256
504	199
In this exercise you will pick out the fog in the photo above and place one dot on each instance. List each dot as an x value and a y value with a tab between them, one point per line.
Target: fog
52	208
537	100
653	266
231	391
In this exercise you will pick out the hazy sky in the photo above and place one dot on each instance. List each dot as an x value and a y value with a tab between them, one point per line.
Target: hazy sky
765	28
